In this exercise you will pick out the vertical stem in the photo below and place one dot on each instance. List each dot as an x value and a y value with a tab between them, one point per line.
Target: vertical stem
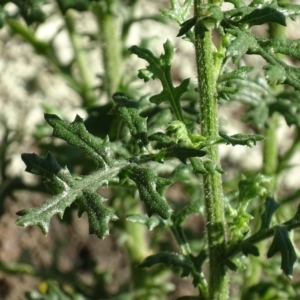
86	78
110	43
212	183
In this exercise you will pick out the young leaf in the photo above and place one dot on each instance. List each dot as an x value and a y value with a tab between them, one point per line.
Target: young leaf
240	45
250	188
99	215
275	74
150	187
128	110
49	169
280	45
186	26
76	135
239	73
161	68
267	211
242	139
169	259
31	11
288	9
288	108
178	13
263	16
151	222
282	243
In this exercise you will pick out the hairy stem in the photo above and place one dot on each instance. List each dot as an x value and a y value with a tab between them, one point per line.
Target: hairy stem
212	183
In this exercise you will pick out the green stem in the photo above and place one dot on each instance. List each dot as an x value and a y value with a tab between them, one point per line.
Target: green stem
212	183
86	78
110	43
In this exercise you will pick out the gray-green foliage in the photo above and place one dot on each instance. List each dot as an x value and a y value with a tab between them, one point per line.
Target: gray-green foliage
137	157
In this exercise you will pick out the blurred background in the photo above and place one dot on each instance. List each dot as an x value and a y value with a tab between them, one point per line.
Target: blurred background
56	58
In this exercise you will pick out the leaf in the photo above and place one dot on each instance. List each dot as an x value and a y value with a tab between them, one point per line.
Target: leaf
99	215
151	222
264	15
57	177
186	26
76	135
258	115
68	191
240	45
248	248
41	215
162	139
31	11
267	211
150	188
280	45
288	9
169	259
275	74
231	265
239	73
128	110
282	243
253	187
178	13
242	139
180	152
288	108
160	67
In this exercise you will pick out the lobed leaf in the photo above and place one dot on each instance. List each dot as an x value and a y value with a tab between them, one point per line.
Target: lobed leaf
240	45
160	67
239	73
68	190
58	178
41	215
242	139
267	211
151	222
282	243
169	259
76	135
128	110
178	13
150	188
99	215
275	74
253	187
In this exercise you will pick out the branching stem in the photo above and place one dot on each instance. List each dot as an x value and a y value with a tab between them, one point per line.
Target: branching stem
212	183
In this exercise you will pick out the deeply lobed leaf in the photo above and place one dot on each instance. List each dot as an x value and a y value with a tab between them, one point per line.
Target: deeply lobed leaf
76	135
150	188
